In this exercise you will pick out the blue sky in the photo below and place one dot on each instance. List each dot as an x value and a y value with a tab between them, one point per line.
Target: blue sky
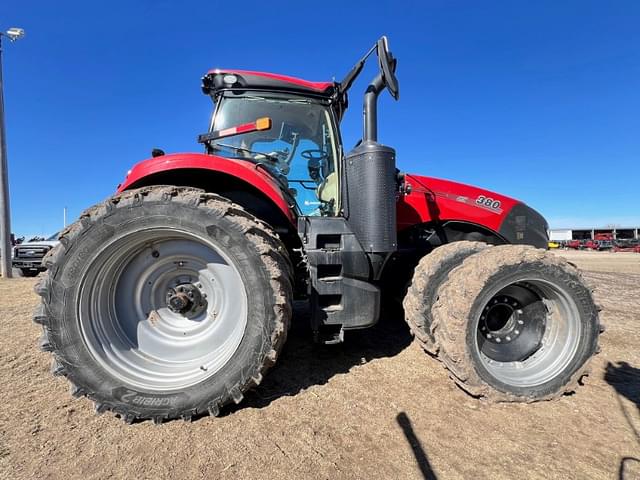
537	100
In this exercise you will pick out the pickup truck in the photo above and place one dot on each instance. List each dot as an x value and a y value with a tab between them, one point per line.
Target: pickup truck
27	257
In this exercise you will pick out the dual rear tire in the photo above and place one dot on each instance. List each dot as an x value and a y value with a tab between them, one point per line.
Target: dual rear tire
510	323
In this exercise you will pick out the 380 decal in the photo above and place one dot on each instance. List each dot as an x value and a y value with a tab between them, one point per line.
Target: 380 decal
488	202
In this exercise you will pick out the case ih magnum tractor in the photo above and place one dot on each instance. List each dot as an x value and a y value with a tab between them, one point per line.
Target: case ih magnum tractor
173	297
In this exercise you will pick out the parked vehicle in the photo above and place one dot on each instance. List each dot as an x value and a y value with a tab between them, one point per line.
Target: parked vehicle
603	236
597	245
173	297
627	245
573	244
604	245
27	256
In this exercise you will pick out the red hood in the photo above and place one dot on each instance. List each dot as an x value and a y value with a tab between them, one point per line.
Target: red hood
434	199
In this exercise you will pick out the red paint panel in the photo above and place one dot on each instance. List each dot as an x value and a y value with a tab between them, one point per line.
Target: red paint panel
240	169
434	199
318	86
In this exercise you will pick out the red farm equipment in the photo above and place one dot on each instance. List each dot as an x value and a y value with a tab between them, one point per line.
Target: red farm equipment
627	245
574	244
173	297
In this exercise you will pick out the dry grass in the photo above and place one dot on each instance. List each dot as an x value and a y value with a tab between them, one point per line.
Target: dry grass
375	407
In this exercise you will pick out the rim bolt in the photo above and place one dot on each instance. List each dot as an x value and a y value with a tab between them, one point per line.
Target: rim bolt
519	311
498	339
508	339
483	329
520	322
517	332
488	335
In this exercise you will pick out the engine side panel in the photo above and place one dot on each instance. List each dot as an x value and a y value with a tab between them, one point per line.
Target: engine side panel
437	200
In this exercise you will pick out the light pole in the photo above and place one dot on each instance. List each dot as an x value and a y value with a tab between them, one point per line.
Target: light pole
12	34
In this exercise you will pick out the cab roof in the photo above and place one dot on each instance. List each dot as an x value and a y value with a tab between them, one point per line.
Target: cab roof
224	79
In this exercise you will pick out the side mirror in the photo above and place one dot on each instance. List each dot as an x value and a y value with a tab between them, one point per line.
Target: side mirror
388	67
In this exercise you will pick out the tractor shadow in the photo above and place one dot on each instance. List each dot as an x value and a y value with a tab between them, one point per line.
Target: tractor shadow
303	363
625	380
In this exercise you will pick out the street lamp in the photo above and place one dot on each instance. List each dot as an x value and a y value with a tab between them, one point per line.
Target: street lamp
12	34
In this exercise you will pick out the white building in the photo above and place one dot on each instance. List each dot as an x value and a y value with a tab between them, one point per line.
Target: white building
560	234
565	234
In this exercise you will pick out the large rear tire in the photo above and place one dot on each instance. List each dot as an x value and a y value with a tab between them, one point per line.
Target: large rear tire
515	323
165	302
430	273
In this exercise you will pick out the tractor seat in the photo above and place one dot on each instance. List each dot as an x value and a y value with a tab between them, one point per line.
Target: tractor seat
328	189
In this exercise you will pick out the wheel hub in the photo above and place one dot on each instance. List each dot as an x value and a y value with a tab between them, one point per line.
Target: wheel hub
502	320
512	325
186	299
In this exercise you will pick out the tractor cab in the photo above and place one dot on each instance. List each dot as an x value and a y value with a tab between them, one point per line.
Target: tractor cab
285	125
289	126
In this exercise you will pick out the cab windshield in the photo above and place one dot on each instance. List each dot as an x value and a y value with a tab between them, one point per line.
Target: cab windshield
299	149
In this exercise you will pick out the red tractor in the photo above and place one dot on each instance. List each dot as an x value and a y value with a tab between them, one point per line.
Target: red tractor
173	297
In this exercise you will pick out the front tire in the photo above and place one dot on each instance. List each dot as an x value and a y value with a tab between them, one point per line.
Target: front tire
165	302
515	323
428	275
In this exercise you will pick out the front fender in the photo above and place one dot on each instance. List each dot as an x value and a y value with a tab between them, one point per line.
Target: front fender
247	172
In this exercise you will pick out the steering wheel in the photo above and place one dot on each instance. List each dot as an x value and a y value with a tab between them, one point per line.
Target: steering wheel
316	154
315	158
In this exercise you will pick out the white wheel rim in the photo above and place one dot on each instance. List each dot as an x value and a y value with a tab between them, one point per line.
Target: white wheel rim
130	330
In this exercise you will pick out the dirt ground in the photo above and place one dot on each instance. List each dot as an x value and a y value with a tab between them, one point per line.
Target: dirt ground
374	407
